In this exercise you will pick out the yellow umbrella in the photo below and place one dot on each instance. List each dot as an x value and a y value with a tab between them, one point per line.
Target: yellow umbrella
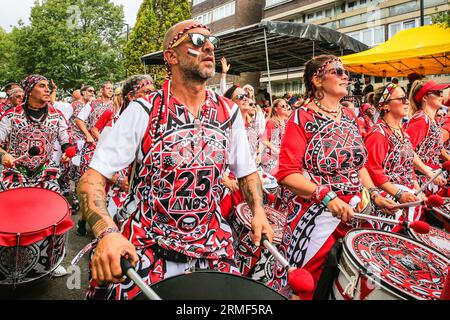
424	50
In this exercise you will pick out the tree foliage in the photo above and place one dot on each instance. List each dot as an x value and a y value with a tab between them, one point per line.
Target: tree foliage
74	42
442	17
154	18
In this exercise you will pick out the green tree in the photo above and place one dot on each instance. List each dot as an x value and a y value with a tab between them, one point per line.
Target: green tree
10	70
74	42
442	17
154	18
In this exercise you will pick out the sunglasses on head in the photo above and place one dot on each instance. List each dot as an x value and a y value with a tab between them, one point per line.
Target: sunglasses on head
198	40
339	72
241	96
404	99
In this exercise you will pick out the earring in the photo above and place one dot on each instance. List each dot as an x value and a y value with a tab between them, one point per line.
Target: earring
319	95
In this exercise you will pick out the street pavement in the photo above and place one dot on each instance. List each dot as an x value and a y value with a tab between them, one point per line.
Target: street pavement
70	287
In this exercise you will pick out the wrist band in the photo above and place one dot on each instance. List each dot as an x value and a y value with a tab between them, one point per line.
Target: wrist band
319	194
93	244
331	195
374	192
398	195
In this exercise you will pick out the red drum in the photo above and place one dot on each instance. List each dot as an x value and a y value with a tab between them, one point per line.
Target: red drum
437	239
379	265
211	285
248	257
33	223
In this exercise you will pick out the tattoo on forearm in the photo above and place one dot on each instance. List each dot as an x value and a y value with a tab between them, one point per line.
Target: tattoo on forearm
92	197
251	189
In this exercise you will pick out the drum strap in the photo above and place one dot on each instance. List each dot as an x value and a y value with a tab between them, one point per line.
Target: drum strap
169	255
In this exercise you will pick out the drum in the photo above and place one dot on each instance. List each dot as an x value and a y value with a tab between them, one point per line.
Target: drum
379	265
270	186
249	258
33	223
437	239
212	285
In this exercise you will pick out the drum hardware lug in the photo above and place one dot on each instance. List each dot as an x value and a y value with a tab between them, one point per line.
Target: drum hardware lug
15	277
53	247
352	282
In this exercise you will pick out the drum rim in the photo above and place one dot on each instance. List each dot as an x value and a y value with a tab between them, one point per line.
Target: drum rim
382	283
416	236
222	274
40	230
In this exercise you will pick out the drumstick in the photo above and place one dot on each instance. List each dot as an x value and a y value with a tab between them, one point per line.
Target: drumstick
442	213
433	201
417	226
32	152
300	280
128	269
445	167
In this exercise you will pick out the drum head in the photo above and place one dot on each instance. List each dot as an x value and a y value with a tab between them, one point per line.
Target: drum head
211	285
276	219
437	239
403	266
32	211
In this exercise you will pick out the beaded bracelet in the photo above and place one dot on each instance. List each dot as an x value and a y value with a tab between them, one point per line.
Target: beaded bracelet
93	244
398	195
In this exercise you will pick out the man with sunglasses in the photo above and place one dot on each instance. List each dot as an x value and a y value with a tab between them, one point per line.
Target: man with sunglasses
180	140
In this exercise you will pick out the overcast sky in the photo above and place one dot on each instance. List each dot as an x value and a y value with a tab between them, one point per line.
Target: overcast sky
14	10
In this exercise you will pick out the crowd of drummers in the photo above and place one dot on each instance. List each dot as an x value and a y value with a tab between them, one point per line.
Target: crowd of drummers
165	176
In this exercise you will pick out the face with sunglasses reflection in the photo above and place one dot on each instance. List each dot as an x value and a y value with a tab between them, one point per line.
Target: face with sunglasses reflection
89	94
334	80
283	109
240	97
197	68
252	109
398	104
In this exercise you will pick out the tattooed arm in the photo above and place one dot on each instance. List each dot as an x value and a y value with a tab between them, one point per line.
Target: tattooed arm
106	260
251	189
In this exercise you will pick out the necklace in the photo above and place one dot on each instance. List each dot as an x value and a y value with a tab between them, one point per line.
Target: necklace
396	131
330	111
163	115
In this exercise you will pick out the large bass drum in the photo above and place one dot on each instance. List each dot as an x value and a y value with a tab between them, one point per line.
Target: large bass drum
212	285
379	265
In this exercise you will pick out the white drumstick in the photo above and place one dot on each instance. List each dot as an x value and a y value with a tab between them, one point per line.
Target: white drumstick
418	226
445	167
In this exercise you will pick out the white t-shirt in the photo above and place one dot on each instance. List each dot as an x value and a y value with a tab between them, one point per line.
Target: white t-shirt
65	108
119	148
85	112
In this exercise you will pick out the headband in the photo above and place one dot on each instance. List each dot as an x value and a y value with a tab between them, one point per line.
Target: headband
390	87
30	82
322	68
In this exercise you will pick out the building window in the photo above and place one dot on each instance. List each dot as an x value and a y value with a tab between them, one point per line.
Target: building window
398	26
270	3
224	11
370	37
196	2
329	12
204	18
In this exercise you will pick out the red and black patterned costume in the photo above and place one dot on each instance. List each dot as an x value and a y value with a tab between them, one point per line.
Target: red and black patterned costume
274	134
390	160
98	108
19	133
329	154
175	200
426	138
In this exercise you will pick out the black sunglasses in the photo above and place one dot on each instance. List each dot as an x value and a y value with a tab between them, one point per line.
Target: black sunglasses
241	96
339	72
404	99
198	40
252	104
436	93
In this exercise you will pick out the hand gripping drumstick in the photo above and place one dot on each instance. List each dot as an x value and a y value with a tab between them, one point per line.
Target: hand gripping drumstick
433	201
32	152
417	226
445	167
127	269
300	280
